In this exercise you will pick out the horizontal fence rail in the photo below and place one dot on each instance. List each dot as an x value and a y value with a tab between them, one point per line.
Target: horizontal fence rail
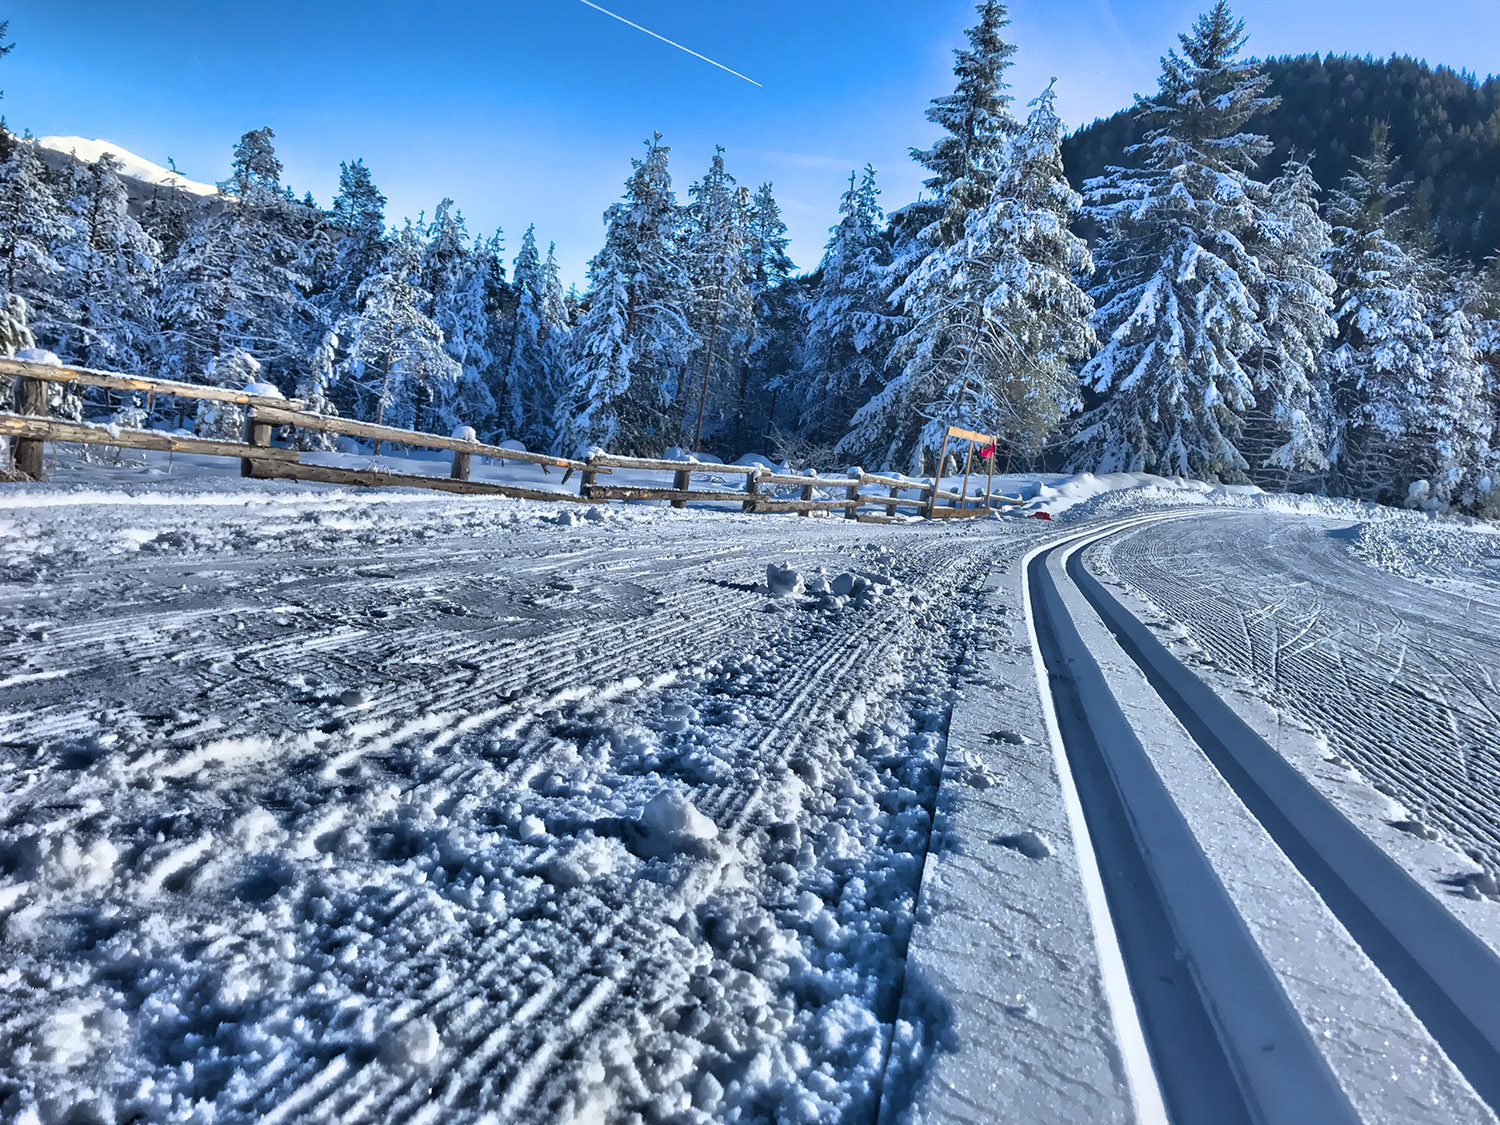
31	425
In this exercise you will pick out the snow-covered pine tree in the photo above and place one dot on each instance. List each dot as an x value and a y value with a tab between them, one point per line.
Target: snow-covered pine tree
997	316
1452	435
225	421
313	389
964	164
1177	304
456	282
721	307
776	325
850	323
1378	372
529	401
358	221
395	358
31	222
1286	430
976	120
111	271
631	346
238	280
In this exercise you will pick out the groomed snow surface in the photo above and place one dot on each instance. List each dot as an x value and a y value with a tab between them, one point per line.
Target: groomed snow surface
391	806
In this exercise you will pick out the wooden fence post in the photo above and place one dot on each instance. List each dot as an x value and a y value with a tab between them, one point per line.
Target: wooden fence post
968	464
937	478
26	453
856	478
807	492
258	434
989	488
752	490
890	509
682	481
586	482
460	465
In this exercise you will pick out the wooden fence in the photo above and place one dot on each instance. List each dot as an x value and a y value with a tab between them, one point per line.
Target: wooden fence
762	491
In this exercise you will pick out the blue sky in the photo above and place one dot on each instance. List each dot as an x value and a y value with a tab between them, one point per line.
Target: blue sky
530	111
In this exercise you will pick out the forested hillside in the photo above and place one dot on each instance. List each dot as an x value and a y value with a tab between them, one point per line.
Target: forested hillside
1444	130
1236	313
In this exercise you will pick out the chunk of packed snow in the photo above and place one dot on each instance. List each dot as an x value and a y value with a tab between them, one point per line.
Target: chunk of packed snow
412	1044
670	818
39	355
783	581
263	390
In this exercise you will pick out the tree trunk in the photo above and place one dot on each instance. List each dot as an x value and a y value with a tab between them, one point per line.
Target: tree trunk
708	363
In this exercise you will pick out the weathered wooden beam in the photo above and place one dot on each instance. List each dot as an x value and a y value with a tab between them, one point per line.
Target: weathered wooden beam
677	496
752	492
657	465
278	416
26	453
54	429
682	481
957	513
117	382
376	478
856	478
461	466
257	434
803	482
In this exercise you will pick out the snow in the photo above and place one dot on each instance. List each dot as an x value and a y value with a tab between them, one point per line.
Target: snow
331	805
135	167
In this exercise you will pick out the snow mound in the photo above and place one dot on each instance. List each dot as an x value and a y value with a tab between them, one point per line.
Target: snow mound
782	581
263	390
670	821
1414	547
575	517
133	166
412	1044
39	355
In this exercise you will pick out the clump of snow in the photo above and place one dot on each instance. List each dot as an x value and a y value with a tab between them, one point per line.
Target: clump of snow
39	355
465	433
573	517
415	1043
262	390
1031	844
670	821
783	581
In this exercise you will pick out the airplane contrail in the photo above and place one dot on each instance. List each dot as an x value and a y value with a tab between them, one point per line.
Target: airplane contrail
667	41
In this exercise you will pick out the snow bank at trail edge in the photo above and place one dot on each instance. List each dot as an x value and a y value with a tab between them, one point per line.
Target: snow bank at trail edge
1059	497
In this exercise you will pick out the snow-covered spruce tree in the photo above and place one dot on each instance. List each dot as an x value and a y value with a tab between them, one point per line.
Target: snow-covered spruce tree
964	164
775	329
1452	435
313	389
1177	303
395	358
238	281
110	274
721	306
31	222
528	372
976	120
997	318
456	283
631	347
358	221
1378	373
225	421
850	323
1286	430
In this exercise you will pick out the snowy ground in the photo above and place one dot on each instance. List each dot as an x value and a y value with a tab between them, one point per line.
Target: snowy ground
366	807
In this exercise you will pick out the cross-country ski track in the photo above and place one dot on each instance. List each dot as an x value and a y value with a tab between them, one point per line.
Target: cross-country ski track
325	807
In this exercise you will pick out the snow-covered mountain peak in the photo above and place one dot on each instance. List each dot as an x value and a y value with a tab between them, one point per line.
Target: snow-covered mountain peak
135	167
